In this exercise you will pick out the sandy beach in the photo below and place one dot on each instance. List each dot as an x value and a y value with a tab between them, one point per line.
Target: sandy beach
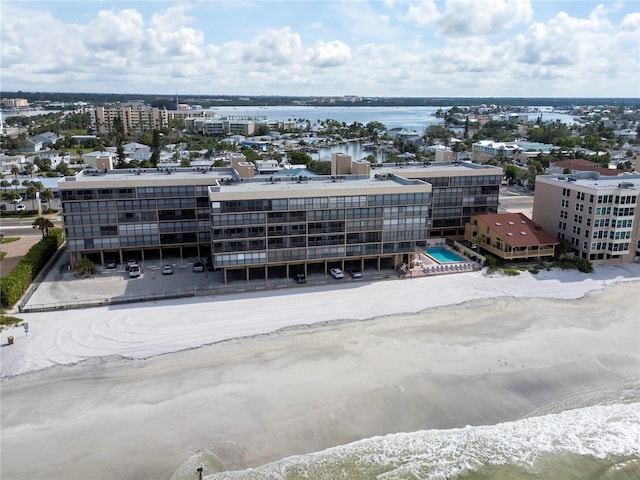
114	393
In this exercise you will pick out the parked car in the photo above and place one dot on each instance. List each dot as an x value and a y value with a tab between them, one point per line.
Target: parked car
110	263
16	200
130	262
354	273
300	277
336	273
134	270
167	269
22	206
3	207
44	200
198	266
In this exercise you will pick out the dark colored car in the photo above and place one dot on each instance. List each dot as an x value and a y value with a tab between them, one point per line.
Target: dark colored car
354	273
198	266
300	277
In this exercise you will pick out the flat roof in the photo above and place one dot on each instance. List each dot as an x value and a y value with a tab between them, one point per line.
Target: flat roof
318	183
160	176
455	168
594	180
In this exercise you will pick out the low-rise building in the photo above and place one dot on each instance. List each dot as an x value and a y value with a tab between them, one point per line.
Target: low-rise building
510	236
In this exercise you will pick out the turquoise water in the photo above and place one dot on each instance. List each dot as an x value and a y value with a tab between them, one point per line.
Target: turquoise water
592	443
444	255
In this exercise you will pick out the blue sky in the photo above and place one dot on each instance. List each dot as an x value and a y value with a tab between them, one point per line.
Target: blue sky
415	48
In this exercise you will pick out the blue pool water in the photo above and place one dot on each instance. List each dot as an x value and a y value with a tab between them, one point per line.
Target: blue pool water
444	255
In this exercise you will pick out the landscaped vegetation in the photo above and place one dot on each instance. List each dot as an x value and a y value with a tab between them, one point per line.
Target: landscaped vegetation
18	280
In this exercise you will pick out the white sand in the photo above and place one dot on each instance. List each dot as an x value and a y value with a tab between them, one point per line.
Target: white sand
525	346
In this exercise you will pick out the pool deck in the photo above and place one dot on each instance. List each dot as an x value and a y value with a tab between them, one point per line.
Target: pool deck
430	266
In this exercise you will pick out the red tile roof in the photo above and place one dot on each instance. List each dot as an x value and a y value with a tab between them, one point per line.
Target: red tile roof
517	230
582	165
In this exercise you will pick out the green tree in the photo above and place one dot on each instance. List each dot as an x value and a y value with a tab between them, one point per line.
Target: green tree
156	147
15	182
31	192
510	173
4	184
43	224
44	165
46	193
84	266
63	168
300	158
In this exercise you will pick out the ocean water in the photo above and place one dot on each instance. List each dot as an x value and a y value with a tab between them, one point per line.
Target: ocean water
592	443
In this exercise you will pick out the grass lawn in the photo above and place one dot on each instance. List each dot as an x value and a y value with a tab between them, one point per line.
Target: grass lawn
9	239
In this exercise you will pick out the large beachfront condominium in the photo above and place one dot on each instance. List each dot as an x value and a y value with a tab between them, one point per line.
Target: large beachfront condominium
460	190
358	216
139	213
287	224
598	215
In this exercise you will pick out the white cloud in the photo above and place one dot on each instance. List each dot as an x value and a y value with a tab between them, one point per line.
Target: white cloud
274	46
423	13
471	17
330	54
115	30
631	23
373	49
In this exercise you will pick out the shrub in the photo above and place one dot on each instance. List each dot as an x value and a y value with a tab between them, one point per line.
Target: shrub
512	272
17	281
84	266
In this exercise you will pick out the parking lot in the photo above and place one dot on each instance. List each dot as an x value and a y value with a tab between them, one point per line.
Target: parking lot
61	288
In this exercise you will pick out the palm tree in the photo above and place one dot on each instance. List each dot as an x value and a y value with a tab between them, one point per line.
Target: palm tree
47	193
29	169
4	184
44	224
31	191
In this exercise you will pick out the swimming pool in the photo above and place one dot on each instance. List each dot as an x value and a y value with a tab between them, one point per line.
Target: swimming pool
444	255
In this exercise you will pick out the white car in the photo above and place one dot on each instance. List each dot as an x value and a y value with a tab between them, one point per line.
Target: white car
336	273
22	206
16	200
134	270
167	269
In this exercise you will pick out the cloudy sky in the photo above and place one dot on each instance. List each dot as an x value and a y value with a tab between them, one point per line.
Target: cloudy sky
415	48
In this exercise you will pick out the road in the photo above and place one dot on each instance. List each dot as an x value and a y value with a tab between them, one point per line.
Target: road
516	203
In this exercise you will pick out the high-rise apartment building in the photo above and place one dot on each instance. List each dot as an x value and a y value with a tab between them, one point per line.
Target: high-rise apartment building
598	215
135	118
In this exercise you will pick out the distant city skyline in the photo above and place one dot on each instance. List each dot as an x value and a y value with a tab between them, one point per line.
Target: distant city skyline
390	48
